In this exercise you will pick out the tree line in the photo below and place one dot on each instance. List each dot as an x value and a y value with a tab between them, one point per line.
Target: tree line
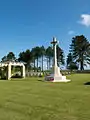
78	56
36	56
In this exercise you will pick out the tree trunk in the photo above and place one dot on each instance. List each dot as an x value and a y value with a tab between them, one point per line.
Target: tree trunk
27	67
42	63
47	63
34	65
81	66
37	64
81	63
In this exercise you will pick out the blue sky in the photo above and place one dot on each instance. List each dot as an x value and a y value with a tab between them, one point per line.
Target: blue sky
27	23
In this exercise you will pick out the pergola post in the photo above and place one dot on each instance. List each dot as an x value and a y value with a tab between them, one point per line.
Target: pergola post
23	71
9	71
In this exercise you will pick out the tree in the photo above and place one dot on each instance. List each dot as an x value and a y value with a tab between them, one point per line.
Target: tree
4	59
42	54
60	56
80	49
72	66
11	56
49	55
69	58
33	57
36	53
70	63
26	57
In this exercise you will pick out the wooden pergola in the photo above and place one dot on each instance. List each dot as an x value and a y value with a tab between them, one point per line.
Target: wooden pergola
8	64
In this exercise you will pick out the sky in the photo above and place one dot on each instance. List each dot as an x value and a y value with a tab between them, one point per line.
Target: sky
25	24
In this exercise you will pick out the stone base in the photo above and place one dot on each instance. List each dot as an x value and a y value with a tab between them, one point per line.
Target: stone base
54	78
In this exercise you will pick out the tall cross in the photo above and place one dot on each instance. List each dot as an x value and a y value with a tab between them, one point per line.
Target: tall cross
54	42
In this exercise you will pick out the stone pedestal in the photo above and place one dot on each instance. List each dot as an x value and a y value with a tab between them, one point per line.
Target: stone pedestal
56	76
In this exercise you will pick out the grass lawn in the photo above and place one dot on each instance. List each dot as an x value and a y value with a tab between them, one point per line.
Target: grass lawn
32	99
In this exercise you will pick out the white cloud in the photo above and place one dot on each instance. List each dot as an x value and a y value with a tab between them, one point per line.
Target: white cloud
71	32
85	20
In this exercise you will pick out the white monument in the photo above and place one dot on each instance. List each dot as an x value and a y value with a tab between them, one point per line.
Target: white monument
56	76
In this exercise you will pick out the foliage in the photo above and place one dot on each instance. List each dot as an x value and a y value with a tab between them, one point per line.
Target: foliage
4	59
10	57
36	53
49	55
79	53
80	49
42	54
70	63
69	59
60	56
3	71
26	57
72	66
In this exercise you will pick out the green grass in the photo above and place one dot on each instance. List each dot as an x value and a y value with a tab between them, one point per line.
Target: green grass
32	99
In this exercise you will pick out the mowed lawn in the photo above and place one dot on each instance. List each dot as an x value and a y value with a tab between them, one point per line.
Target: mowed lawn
32	99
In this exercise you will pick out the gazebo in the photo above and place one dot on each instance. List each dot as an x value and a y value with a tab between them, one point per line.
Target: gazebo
8	64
